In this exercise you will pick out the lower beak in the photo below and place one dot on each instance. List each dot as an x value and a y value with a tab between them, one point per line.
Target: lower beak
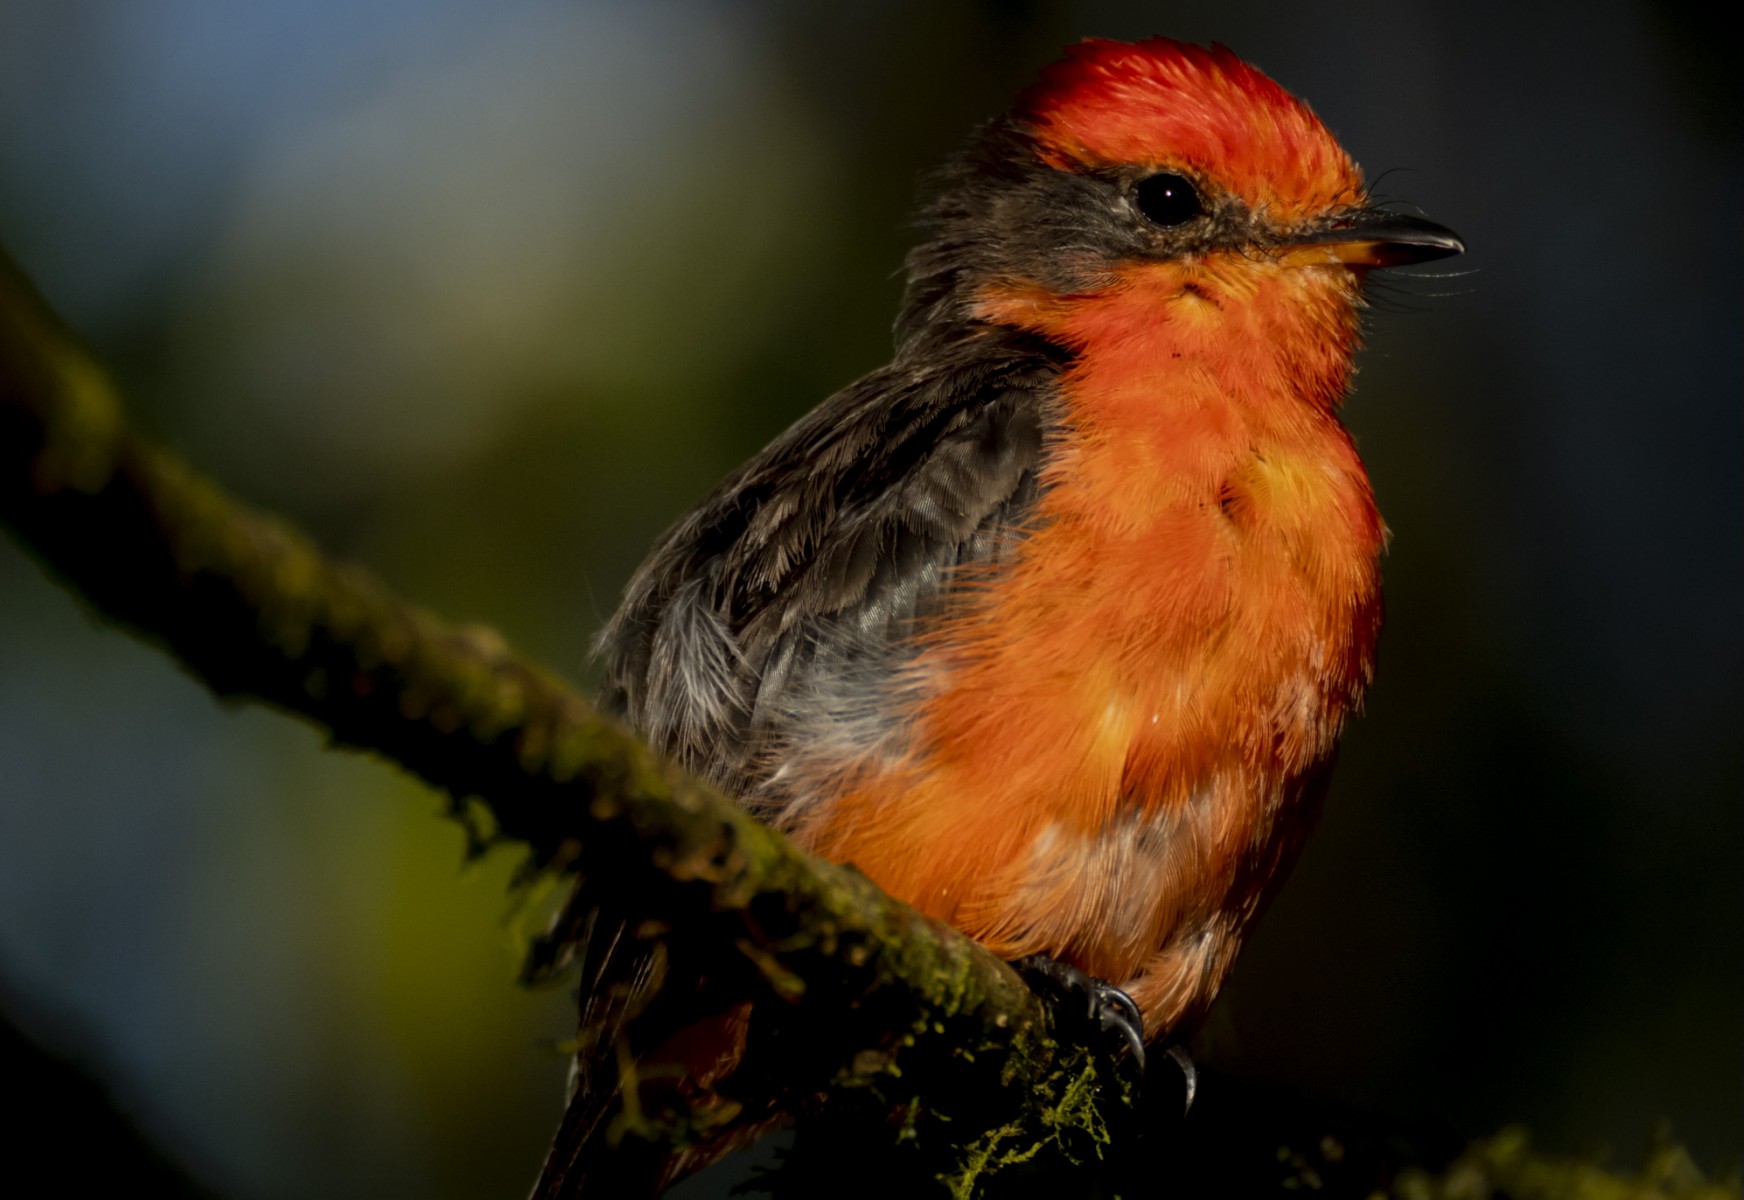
1371	238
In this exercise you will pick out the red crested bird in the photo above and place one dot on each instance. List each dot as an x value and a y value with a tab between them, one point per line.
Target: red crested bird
1050	626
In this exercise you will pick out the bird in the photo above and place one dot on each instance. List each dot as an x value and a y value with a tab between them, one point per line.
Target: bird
1050	626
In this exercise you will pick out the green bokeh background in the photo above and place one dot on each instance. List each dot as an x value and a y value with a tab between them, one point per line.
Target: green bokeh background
484	294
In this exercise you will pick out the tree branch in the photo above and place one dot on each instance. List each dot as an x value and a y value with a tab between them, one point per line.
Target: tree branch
874	1001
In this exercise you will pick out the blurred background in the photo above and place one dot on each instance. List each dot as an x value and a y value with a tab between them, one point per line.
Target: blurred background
485	292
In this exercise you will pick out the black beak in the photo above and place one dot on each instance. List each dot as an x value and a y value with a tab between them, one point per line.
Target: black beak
1372	238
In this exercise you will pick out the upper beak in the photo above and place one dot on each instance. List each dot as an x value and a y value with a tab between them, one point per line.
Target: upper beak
1372	238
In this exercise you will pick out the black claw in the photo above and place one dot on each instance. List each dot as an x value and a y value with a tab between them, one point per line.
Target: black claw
1115	1013
1108	1009
1110	994
1189	1075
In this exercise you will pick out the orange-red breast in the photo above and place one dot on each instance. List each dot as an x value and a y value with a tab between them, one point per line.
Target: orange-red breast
1050	626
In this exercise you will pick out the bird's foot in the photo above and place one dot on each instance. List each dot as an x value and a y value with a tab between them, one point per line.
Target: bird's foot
1074	996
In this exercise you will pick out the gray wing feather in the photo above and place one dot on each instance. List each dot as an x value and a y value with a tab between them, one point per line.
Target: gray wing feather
780	610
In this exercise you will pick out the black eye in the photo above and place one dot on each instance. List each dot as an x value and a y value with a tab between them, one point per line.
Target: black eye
1167	200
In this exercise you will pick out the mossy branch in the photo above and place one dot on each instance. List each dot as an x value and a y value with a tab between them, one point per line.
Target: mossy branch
251	608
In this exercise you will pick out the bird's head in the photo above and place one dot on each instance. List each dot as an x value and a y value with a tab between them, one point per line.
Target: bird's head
1159	171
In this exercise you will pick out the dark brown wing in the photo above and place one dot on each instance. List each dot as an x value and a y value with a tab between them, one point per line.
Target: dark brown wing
775	617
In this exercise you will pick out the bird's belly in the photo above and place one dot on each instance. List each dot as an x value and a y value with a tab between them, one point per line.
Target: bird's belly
1111	746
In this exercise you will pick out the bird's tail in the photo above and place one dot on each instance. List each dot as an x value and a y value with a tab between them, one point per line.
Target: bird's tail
645	1061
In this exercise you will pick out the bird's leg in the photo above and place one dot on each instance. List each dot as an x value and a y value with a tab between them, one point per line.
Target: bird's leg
1075	996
